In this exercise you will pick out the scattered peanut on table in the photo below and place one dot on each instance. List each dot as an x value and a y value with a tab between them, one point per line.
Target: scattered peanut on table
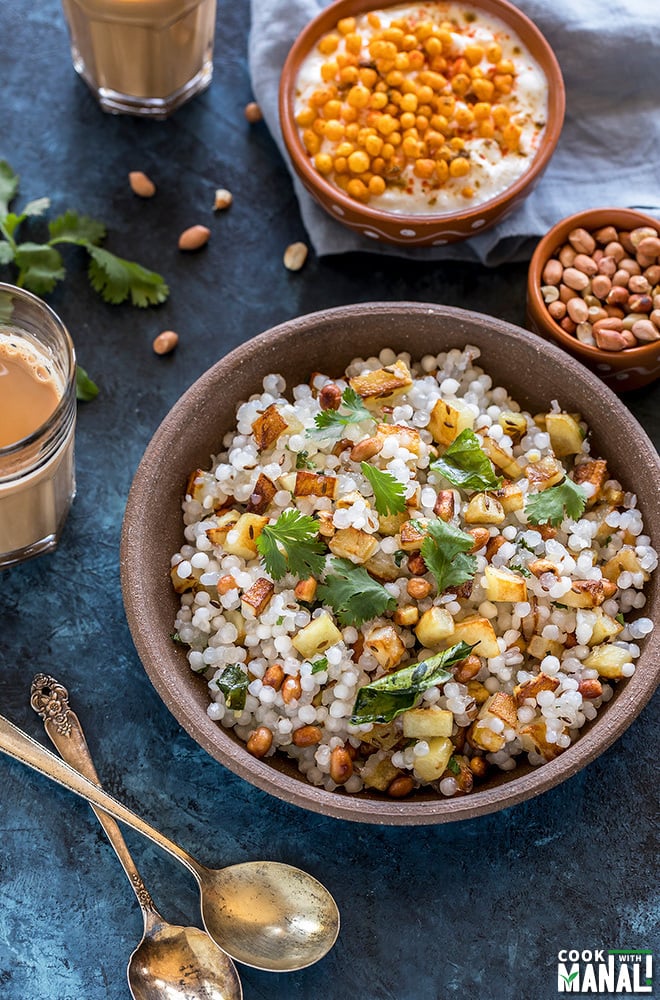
295	256
165	342
194	237
141	185
253	112
604	287
223	199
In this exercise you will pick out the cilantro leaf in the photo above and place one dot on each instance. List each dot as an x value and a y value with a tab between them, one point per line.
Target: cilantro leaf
453	766
233	682
389	493
303	461
620	618
290	545
6	252
444	552
116	279
354	596
36	207
40	267
8	186
10	223
86	389
519	568
568	499
396	692
331	423
74	228
466	465
319	665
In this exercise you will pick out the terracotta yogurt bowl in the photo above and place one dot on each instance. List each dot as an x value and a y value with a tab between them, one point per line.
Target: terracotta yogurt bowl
416	229
622	370
534	371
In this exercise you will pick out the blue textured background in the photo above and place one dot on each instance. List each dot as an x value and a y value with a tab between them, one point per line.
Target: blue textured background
475	910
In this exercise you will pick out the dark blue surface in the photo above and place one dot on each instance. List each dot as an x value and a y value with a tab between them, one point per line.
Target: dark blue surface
475	910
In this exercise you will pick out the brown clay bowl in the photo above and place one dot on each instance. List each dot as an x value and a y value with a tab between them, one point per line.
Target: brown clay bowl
418	230
621	370
535	371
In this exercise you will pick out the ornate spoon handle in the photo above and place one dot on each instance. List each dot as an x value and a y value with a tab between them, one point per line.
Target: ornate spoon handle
50	700
17	744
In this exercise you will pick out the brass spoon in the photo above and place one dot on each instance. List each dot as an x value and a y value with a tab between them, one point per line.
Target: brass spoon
182	963
264	914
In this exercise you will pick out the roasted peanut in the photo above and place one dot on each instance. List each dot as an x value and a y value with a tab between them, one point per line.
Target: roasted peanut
444	505
252	112
165	342
291	689
341	765
307	736
590	688
479	767
481	537
400	786
364	450
260	741
273	676
418	588
582	241
330	397
467	669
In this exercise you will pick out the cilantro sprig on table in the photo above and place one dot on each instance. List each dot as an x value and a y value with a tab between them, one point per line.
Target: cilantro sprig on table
389	493
466	465
331	423
444	550
551	506
291	545
384	699
354	596
40	265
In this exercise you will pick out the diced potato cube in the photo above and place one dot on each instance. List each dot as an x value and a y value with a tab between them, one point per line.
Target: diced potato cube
391	524
503	585
378	772
513	424
544	474
420	723
384	643
566	436
412	502
315	638
477	630
434	763
408	437
478	691
382	735
588	593
236	619
348	499
604	628
305	590
262	495
449	419
434	626
242	539
510	495
182	583
594	472
383	383
268	427
326	525
625	559
354	544
482	736
412	535
223	526
287	481
530	689
538	647
382	566
500	458
483	509
255	600
314	484
198	483
608	660
502	706
533	737
407	616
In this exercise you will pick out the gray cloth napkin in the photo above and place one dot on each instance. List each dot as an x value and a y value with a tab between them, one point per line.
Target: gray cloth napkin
609	150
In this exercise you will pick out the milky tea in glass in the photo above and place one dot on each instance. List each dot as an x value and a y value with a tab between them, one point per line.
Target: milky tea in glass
37	420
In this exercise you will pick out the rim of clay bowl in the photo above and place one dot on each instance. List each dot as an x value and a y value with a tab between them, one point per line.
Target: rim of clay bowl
514	18
145	569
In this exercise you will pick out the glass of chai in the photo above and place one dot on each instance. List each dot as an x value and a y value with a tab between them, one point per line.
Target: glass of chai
142	57
37	421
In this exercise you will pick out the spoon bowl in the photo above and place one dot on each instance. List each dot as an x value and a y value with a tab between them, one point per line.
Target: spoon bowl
180	963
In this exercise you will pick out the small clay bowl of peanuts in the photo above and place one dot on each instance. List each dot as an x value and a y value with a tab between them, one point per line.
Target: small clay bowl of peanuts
594	288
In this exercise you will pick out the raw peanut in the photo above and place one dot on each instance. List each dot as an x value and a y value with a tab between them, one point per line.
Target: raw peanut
601	285
418	588
291	689
223	199
584	334
629	265
578	310
607	234
330	397
639	284
341	765
260	741
643	233
550	293
481	537
252	112
585	264
631	318
629	338
597	255
552	272
656	301
591	299
568	325
364	450
652	274
655	317
640	303
307	736
626	242
645	260
557	310
274	676
615	312
611	323
621	278
617	296
582	241
645	330
609	340
607	265
615	250
165	342
596	313
566	255
194	237
295	256
576	279
141	185
566	293
400	786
